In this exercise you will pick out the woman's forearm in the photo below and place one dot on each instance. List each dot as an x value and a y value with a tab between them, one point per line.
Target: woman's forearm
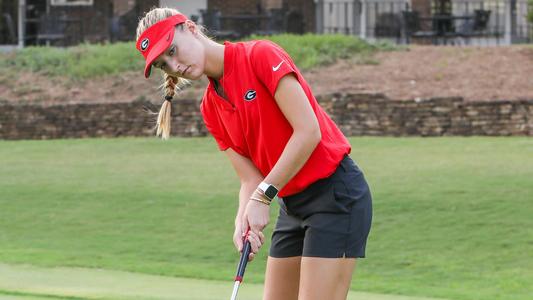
247	188
296	153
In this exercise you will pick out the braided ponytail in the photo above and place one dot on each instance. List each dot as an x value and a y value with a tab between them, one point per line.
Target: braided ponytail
171	85
163	119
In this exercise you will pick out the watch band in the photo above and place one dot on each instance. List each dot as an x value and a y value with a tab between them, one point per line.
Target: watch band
268	189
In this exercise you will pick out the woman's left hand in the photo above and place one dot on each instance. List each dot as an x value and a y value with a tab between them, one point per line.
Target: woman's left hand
256	215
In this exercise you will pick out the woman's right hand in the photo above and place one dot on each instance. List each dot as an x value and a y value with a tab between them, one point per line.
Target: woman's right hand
255	241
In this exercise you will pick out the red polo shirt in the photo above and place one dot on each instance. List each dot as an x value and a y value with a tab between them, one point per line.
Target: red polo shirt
250	121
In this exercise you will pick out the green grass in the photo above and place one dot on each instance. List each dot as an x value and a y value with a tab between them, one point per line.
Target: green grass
79	62
88	61
452	216
92	284
311	50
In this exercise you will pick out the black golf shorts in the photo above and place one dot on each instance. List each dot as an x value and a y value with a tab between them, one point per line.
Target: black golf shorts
331	218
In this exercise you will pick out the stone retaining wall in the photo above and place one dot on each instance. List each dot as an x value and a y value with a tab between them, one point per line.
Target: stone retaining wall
95	120
377	115
355	114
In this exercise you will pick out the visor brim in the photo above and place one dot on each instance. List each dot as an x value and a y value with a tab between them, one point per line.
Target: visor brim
157	50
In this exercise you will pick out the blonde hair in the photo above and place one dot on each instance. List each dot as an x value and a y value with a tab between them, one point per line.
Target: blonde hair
171	84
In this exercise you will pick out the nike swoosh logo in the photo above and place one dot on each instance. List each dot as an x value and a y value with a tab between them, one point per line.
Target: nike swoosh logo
278	66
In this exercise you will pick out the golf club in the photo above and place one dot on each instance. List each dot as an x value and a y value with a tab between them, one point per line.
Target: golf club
242	264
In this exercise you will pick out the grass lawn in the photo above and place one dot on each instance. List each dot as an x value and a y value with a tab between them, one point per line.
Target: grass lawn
91	284
93	60
452	216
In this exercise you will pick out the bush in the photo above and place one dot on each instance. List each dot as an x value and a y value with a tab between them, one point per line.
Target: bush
86	60
310	50
77	62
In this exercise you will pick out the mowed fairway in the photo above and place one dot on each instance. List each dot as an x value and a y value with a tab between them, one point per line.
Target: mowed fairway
452	216
79	283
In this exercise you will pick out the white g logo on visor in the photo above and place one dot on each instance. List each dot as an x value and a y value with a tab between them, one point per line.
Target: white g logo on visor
144	44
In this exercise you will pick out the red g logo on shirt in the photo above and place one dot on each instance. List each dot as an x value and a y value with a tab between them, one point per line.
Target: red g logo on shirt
250	95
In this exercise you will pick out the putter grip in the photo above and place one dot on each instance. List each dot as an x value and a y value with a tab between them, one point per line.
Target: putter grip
247	248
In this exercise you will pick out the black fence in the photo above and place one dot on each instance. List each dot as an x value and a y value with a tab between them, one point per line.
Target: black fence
475	22
442	22
240	25
66	27
43	24
8	21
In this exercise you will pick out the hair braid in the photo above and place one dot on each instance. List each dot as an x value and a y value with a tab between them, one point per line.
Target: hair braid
164	117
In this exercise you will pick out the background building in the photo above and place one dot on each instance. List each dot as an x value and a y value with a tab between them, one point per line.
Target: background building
69	22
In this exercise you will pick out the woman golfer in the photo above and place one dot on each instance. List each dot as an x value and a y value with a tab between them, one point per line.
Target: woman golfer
263	115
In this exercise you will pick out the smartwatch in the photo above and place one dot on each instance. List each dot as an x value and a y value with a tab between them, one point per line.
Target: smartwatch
268	189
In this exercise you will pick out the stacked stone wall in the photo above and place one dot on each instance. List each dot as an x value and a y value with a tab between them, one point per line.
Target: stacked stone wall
378	115
355	114
95	120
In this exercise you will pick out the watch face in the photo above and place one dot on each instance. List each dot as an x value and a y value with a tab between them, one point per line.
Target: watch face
271	192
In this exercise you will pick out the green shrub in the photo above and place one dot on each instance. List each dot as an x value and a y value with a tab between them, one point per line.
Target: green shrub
86	60
77	62
310	50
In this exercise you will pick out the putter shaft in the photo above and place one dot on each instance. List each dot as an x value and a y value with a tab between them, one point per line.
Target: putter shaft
235	290
242	264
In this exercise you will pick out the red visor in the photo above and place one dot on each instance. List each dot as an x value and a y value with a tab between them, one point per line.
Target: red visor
156	39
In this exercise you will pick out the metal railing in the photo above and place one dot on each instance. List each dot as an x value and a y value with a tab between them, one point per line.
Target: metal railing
508	19
367	19
386	19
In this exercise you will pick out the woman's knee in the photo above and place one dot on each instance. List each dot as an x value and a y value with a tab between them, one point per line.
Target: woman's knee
282	278
325	278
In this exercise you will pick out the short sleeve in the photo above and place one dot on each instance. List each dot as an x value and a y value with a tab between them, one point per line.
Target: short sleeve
270	63
213	124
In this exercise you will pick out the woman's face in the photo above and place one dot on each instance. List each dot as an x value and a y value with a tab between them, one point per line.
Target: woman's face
185	55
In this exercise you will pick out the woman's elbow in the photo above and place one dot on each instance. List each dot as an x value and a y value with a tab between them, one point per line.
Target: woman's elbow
311	135
316	135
